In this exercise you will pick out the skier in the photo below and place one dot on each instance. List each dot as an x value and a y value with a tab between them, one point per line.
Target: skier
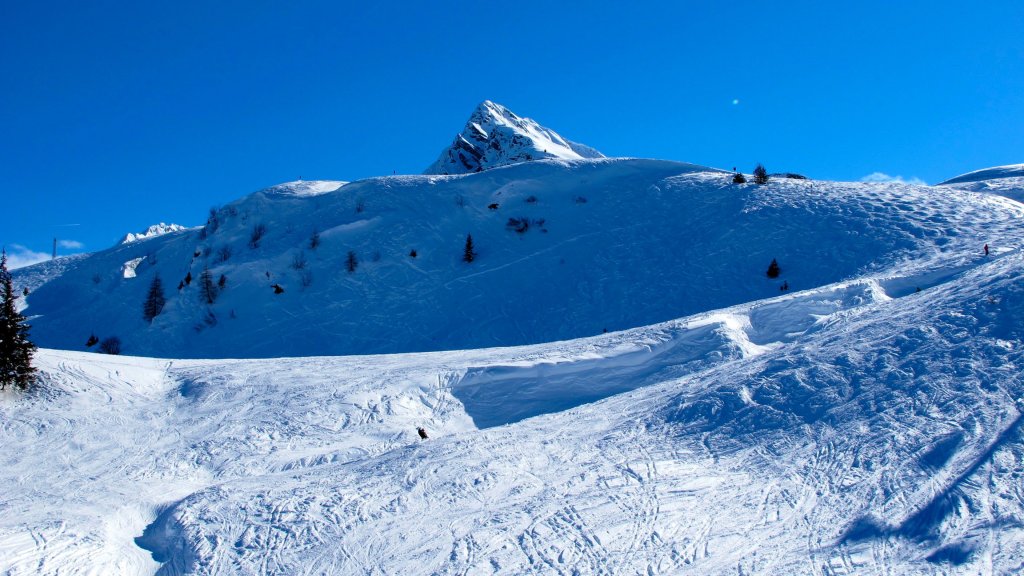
986	249
422	432
785	286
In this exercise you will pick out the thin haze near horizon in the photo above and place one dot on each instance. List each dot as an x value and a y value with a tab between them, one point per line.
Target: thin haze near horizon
120	115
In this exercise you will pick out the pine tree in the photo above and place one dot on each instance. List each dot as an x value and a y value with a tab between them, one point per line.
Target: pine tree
760	175
739	178
468	254
15	348
207	290
155	300
773	269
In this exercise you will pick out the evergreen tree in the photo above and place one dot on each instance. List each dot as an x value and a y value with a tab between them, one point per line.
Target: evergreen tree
207	290
468	254
155	300
15	348
739	178
773	269
760	175
351	261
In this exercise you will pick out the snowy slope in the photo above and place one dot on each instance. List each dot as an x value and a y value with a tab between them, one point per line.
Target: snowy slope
608	244
1007	181
494	136
861	427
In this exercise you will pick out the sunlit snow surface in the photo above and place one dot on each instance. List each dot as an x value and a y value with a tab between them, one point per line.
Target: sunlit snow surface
866	422
857	428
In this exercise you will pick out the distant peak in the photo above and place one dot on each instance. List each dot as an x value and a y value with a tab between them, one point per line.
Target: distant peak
495	136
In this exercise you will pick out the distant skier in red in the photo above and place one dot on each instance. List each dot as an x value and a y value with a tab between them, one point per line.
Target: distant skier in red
422	432
986	249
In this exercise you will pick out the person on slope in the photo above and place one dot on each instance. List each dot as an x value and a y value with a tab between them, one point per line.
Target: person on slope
986	249
422	432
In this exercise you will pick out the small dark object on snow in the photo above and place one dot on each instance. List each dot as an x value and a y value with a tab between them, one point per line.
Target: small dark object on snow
773	269
181	284
25	291
412	253
739	179
277	288
188	278
422	432
196	254
91	341
267	273
785	286
918	289
492	206
986	254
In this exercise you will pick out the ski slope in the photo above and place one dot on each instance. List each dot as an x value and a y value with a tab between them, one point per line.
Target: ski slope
862	427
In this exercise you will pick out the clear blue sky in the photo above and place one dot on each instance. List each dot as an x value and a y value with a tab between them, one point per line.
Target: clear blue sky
117	115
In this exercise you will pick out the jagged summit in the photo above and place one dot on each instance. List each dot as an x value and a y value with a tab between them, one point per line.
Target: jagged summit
151	232
496	136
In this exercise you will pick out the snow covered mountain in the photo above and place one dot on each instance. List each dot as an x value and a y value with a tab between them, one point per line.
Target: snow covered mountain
494	136
152	232
868	420
564	249
1005	181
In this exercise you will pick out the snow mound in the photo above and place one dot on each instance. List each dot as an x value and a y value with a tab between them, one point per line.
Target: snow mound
496	136
152	232
1006	181
304	188
1008	171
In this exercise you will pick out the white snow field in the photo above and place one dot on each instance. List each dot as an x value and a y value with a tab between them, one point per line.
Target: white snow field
858	428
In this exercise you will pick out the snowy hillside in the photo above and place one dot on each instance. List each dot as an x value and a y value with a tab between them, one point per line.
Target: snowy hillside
494	136
564	250
863	427
1007	181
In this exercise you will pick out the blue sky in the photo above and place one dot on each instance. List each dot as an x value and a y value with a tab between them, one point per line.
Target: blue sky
117	115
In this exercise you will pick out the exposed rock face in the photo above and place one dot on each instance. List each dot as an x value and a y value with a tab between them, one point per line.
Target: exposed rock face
496	136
